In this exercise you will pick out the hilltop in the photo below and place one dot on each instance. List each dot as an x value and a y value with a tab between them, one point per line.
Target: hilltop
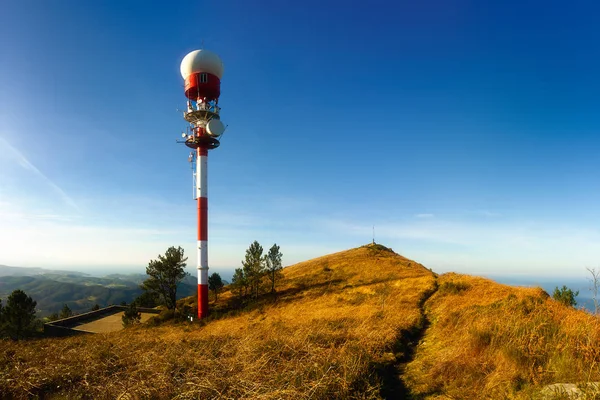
363	323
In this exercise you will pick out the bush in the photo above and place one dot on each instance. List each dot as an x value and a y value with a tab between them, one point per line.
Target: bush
378	248
453	287
565	296
131	316
165	315
53	317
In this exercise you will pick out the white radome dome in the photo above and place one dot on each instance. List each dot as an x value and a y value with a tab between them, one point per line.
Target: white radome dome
201	61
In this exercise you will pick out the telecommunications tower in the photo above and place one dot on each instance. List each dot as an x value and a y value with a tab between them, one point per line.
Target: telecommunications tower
202	71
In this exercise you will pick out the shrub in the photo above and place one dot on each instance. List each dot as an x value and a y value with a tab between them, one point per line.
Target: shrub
565	296
453	287
131	316
164	316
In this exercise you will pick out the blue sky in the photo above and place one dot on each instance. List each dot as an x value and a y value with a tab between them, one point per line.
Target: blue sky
465	132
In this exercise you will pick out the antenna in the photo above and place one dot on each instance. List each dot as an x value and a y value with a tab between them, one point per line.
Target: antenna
373	234
201	71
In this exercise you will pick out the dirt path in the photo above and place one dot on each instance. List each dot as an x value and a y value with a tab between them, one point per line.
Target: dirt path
393	386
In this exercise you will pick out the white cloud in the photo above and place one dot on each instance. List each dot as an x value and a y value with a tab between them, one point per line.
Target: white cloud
27	165
487	213
424	215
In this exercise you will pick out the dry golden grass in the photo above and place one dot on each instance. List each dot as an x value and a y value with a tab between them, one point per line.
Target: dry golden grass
488	340
335	320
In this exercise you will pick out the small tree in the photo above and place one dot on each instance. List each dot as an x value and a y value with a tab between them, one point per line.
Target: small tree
239	283
273	265
595	285
164	275
253	267
19	315
96	307
566	296
215	283
131	316
66	312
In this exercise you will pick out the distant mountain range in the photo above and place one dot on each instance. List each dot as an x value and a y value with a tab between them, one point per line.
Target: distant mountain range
53	289
5	270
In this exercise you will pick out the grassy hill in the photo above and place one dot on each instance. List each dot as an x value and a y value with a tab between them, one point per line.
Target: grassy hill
346	325
488	340
335	324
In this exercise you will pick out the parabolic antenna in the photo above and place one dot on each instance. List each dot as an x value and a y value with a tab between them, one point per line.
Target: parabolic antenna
215	127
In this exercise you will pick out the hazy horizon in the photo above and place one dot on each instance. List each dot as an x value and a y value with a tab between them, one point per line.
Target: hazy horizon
548	283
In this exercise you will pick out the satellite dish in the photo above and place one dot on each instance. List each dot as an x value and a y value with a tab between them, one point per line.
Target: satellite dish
215	127
183	135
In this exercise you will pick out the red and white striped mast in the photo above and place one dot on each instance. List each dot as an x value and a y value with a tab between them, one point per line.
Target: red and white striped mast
202	71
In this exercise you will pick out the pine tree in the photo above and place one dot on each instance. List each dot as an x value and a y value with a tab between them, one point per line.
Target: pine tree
273	265
253	267
164	275
215	284
19	315
239	283
65	312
